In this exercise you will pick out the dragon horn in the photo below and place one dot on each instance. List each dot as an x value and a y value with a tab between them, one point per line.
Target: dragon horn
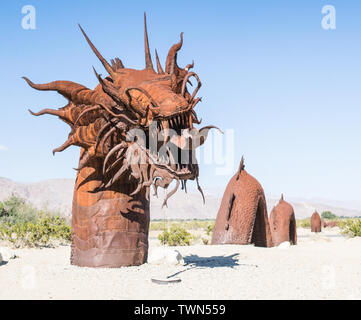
106	65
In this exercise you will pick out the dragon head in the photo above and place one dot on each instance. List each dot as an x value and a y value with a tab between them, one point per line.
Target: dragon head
140	122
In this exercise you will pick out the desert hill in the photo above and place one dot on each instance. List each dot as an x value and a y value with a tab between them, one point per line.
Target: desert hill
56	195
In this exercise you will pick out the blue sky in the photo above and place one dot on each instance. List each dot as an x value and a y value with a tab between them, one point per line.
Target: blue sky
289	89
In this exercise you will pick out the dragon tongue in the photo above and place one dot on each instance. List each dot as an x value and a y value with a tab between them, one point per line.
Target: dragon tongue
184	142
180	141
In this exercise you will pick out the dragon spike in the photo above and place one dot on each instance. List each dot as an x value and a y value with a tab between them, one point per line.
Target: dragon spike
148	58
98	75
106	65
72	91
159	66
241	165
119	63
241	168
108	90
171	62
189	66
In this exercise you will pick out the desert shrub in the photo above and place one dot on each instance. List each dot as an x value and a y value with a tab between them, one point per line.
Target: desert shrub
341	223
210	228
35	233
156	225
304	223
186	224
195	224
328	215
351	227
176	236
24	226
15	210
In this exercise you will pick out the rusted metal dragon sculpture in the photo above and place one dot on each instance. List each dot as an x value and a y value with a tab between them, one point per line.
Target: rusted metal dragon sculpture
242	217
316	223
135	130
283	223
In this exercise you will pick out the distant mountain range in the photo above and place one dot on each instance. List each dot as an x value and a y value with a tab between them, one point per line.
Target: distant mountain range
57	194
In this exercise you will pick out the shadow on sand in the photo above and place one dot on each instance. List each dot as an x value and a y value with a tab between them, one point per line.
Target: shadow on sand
196	262
212	262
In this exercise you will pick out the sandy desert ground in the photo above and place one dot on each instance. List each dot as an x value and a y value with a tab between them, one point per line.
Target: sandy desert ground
321	266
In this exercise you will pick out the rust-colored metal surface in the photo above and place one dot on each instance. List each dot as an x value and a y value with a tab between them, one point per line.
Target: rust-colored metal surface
109	227
315	222
242	217
323	223
135	130
283	223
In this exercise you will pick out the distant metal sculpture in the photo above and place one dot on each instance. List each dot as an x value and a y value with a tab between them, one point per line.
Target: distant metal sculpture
118	164
242	217
316	222
283	223
329	224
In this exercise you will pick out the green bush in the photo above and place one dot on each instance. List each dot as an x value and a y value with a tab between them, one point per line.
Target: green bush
304	223
15	210
341	223
186	224
176	236
328	215
24	226
210	228
351	227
